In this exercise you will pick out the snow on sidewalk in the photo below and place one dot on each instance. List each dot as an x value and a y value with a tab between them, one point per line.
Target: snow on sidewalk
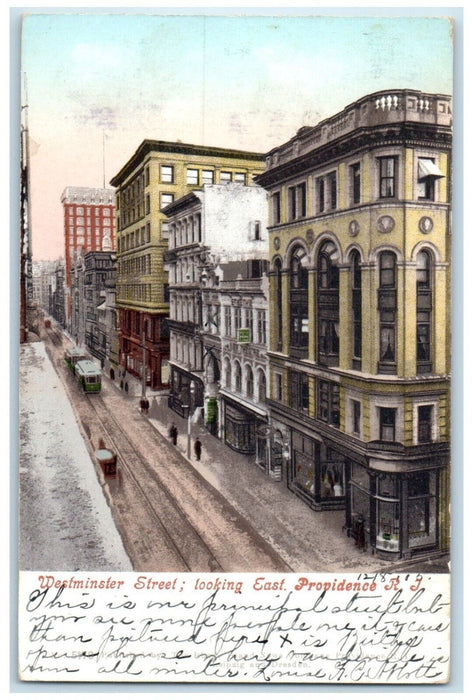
65	522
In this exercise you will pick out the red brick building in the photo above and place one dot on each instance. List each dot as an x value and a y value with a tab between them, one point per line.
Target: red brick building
88	226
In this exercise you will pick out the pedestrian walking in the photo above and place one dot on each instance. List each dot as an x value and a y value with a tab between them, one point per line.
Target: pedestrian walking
197	449
173	434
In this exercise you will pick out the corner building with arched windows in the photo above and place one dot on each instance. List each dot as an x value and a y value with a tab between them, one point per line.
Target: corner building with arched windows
359	351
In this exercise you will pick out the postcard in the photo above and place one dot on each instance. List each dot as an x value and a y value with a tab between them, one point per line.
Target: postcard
235	347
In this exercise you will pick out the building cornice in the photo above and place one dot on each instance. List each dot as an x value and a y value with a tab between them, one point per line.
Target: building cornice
402	134
148	147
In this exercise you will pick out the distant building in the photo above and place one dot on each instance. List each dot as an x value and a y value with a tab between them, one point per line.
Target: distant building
158	173
108	319
359	352
57	296
42	271
77	320
91	274
88	225
99	267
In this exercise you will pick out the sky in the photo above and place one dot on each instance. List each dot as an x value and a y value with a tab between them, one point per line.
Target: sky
97	84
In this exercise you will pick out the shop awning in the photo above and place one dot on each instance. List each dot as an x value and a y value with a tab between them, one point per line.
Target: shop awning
428	169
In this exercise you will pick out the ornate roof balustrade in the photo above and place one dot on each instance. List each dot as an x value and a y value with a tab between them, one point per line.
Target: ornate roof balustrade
377	109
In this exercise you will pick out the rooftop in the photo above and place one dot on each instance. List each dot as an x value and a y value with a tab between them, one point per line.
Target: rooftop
374	112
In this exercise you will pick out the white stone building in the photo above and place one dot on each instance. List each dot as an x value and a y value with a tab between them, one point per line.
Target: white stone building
216	262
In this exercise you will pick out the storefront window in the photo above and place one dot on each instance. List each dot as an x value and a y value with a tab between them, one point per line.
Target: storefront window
303	453
387	535
387	512
332	477
421	509
240	430
360	493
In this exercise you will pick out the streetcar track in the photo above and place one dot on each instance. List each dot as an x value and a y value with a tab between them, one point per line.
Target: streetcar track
132	452
128	454
175	541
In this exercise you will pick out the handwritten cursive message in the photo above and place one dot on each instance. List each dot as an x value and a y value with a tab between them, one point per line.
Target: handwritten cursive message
312	628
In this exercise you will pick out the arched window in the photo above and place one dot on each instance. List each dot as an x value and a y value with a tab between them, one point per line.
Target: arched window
299	302
261	386
250	385
423	311
387	303
356	306
237	377
328	304
228	373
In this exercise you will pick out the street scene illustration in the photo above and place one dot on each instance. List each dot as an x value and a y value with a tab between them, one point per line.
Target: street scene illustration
235	293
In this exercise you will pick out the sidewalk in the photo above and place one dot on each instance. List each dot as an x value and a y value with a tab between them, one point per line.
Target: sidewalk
307	540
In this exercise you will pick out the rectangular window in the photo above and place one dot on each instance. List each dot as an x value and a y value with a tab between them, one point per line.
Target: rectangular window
299	391
241	178
328	402
249	322
261	323
192	176
207	177
355	177
387	424
237	319
167	174
387	175
225	178
166	199
424	424
228	320
332	188
356	417
297	201
164	229
148	204
320	187
278	386
276	207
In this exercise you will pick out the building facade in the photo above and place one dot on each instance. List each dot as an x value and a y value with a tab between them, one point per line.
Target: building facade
77	297
158	174
109	321
218	308
42	271
243	293
57	293
88	225
99	269
359	317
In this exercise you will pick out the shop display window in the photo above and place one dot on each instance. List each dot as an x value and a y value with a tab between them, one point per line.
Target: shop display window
303	451
421	509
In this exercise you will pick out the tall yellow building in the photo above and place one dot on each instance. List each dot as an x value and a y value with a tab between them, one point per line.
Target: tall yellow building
158	173
359	318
